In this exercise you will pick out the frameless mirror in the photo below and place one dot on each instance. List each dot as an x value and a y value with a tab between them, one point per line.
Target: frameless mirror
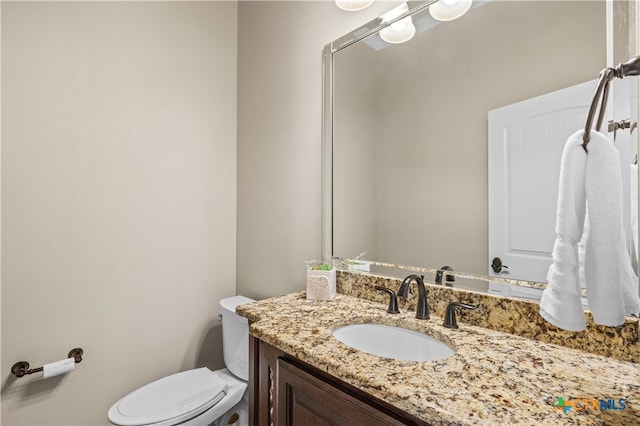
410	133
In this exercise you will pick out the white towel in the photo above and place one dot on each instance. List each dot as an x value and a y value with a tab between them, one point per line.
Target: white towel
561	300
612	285
609	278
633	198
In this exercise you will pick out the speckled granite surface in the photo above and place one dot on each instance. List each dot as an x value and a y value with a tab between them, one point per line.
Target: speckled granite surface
493	379
507	315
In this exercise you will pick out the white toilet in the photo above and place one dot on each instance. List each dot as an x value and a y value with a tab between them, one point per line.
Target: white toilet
200	396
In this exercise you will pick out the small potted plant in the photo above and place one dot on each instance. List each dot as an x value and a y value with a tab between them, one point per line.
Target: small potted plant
321	281
358	263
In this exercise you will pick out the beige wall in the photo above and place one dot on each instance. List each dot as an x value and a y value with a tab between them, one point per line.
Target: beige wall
118	196
280	137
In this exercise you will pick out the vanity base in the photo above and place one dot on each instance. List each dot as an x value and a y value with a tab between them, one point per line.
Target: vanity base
286	391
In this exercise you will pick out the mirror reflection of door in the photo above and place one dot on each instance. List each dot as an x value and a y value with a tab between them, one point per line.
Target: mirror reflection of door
526	140
529	136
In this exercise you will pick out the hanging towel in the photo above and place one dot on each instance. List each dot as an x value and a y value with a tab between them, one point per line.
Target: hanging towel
612	285
633	197
561	300
594	179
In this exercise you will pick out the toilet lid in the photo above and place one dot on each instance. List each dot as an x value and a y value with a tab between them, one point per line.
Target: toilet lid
170	400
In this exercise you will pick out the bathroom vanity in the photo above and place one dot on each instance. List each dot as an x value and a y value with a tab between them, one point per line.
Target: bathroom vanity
300	374
288	391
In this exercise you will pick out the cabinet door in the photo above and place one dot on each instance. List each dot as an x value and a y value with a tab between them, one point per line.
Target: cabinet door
263	379
305	400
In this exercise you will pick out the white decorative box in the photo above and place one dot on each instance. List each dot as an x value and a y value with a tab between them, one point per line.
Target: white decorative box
321	285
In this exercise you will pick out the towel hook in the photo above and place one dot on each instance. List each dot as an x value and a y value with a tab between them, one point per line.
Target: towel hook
629	68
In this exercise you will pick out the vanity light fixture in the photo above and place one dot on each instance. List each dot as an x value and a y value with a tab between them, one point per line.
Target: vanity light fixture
353	5
399	31
448	10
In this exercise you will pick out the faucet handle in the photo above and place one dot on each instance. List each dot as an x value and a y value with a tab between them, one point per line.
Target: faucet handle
450	314
393	300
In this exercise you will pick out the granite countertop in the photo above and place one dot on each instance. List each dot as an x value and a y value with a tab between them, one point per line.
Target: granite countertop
493	378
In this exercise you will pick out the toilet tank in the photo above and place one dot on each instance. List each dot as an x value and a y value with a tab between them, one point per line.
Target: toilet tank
235	336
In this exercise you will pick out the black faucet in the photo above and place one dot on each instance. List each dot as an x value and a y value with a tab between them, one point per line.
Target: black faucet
422	310
450	314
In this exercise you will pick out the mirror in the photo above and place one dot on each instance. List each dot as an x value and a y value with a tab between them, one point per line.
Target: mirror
406	127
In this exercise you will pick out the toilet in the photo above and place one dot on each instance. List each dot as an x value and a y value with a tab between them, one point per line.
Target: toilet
200	396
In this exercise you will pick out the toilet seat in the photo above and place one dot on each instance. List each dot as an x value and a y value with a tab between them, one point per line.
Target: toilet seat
177	398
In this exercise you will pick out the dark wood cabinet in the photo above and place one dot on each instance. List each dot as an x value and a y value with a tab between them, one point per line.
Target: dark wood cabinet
285	391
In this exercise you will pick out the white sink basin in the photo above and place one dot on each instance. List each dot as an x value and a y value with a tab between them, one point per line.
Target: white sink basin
392	342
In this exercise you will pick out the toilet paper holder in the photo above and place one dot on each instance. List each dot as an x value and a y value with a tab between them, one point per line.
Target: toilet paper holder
21	368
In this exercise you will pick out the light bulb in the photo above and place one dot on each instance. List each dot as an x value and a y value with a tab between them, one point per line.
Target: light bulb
448	10
399	31
399	25
353	5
